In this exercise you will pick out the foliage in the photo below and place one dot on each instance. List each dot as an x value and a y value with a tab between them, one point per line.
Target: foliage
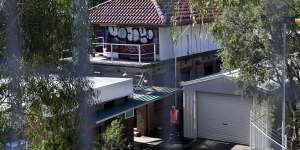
113	138
50	97
251	33
51	112
246	49
3	115
46	29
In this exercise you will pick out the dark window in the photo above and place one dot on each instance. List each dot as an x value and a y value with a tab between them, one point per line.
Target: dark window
208	69
185	74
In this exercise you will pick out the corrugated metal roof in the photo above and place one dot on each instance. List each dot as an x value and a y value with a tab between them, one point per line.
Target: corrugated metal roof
143	95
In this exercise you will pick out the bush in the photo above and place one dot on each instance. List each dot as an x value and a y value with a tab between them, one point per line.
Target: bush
113	138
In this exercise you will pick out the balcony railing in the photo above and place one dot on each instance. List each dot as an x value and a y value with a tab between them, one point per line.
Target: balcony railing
138	52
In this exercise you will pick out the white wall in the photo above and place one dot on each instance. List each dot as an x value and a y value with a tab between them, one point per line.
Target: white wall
165	43
190	114
192	40
107	89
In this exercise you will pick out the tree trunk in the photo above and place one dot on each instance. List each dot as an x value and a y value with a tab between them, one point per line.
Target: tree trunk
13	60
81	46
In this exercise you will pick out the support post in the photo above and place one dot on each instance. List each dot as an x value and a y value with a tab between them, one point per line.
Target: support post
140	54
154	53
250	130
284	86
111	52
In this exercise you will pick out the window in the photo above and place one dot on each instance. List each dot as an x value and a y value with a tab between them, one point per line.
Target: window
185	74
208	68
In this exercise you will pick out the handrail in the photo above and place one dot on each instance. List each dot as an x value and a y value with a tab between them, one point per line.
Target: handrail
139	48
97	38
100	37
96	43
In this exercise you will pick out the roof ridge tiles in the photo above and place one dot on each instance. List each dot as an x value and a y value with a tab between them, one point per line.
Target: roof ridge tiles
159	11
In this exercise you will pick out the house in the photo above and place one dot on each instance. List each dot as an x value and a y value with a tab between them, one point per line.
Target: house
141	30
214	108
134	39
118	98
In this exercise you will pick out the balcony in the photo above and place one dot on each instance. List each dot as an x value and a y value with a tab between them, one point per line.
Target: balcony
125	54
122	54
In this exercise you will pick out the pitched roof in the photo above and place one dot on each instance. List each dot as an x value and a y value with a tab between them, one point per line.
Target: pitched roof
142	12
127	12
183	12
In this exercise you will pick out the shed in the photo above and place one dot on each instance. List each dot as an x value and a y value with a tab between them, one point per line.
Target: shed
213	108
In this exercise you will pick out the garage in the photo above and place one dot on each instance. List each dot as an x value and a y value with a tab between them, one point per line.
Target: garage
223	117
214	109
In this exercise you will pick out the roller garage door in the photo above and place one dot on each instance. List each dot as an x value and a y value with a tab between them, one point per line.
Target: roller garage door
223	117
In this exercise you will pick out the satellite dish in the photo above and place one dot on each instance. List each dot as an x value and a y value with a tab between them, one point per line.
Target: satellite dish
113	31
136	35
122	33
150	34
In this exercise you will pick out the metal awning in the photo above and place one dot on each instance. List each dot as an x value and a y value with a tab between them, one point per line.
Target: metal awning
142	95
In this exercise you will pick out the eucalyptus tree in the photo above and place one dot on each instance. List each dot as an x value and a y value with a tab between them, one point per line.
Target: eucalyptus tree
2	37
46	29
51	93
13	65
64	98
253	37
81	49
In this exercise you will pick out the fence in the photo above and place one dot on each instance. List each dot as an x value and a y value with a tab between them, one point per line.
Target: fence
263	137
263	134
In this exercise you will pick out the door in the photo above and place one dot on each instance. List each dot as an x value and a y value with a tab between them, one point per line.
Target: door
223	117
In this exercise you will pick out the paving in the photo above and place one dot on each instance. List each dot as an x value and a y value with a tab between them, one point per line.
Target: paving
148	143
204	144
240	147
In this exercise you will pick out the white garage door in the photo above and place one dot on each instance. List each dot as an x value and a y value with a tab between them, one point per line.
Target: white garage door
223	117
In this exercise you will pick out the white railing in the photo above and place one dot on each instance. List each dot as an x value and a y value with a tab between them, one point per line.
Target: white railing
262	136
265	131
109	50
98	38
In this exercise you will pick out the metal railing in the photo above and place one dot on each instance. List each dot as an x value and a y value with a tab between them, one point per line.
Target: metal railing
262	135
139	50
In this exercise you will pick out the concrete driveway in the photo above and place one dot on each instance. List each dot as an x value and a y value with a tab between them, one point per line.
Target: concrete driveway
204	144
146	143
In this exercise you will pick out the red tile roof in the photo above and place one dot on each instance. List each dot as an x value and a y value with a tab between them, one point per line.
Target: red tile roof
182	11
140	12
